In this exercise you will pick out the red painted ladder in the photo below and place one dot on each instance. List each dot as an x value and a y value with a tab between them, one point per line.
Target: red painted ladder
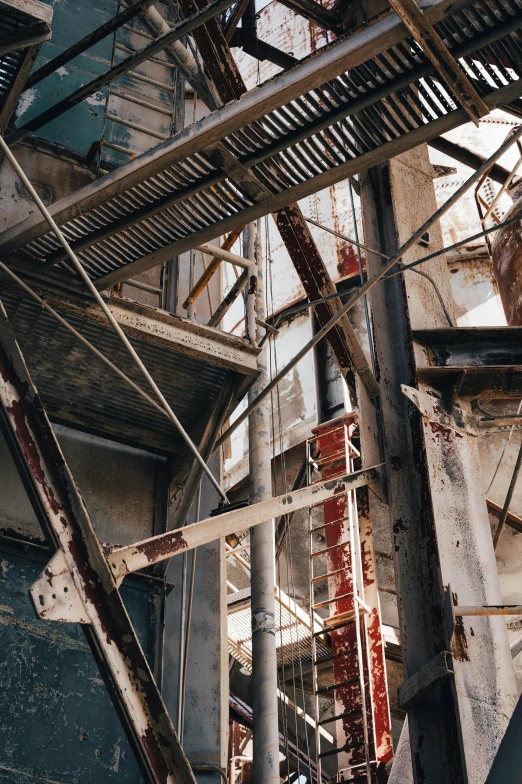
354	675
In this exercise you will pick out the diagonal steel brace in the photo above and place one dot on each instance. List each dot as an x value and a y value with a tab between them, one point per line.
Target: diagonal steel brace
85	573
416	21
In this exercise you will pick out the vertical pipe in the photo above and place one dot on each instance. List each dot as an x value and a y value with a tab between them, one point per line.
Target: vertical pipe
262	553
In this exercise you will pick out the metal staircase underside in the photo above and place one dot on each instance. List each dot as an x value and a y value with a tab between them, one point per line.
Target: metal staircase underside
356	103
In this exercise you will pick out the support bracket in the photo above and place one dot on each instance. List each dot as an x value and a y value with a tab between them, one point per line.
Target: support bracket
55	596
439	668
434	410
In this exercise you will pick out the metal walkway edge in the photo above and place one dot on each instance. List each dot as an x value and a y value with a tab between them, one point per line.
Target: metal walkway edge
356	103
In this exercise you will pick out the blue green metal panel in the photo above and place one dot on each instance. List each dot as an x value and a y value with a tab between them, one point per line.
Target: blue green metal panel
81	126
57	723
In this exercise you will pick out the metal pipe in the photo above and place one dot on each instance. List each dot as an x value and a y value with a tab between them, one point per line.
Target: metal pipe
507	502
207	274
369	284
262	551
137	284
96	294
229	300
224	255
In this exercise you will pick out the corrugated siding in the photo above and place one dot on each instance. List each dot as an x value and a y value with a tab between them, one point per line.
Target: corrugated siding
152	83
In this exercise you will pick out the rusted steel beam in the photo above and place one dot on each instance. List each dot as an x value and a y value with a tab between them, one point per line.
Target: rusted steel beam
158	548
314	12
348	698
214	49
317	283
441	58
300	245
469	158
440	526
84	588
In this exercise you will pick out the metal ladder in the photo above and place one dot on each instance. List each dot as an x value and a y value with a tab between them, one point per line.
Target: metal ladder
347	670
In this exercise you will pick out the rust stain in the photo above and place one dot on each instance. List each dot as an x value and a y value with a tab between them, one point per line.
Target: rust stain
167	545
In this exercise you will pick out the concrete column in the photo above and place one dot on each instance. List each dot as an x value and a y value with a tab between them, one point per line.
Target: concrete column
262	554
437	511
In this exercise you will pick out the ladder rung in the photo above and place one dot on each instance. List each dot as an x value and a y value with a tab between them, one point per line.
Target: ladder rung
328	574
340	751
337	685
329	549
345	616
327	659
328	629
327	525
331	601
341	716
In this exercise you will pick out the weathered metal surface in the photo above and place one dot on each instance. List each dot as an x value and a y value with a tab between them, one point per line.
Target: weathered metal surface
507	261
85	43
441	57
476	361
84	92
334	162
97	399
163	546
317	283
348	704
16	64
440	525
85	122
66	523
57	722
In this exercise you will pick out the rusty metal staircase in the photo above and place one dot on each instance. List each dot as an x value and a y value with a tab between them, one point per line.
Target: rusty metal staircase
337	569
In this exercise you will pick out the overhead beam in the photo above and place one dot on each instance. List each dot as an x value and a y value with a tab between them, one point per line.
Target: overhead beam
314	12
441	58
158	548
469	158
314	72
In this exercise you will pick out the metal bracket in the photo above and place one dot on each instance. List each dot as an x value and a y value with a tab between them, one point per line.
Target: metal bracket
439	668
54	594
433	409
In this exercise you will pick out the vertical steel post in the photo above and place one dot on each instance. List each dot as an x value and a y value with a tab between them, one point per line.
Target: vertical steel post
440	526
262	553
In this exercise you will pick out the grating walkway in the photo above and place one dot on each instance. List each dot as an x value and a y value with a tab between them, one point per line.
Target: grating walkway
356	103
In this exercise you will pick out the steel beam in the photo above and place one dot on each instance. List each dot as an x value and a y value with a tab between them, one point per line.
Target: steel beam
439	521
441	58
24	37
158	548
82	589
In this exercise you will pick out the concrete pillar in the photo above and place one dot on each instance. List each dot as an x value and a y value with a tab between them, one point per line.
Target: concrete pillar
262	555
437	511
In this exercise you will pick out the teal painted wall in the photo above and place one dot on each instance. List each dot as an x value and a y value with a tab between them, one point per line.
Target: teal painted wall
81	126
57	723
